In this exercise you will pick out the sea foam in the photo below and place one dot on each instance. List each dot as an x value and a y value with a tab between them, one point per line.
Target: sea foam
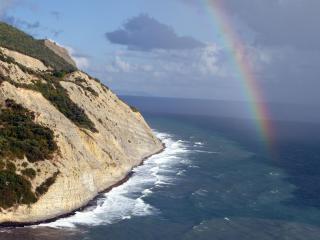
127	200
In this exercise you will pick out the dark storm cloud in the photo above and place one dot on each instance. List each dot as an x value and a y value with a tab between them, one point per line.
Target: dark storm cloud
146	33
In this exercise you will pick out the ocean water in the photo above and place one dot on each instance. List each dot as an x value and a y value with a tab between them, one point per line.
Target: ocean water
215	180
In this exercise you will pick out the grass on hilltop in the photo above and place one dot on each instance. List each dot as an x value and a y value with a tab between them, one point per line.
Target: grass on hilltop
14	39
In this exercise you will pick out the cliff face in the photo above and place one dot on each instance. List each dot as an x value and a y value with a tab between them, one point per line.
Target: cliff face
60	51
87	139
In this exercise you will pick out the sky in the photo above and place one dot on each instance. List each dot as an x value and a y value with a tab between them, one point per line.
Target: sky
174	48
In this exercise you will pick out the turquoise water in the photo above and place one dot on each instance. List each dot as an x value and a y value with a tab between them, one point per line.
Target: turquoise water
215	180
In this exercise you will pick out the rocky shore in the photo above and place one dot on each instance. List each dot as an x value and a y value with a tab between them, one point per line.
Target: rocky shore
78	139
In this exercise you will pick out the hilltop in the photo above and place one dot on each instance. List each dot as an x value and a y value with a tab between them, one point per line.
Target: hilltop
16	40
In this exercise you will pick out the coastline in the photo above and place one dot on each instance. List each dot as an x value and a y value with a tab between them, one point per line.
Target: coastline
90	203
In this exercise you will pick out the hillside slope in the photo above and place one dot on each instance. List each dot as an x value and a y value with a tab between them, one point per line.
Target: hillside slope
18	41
63	139
60	51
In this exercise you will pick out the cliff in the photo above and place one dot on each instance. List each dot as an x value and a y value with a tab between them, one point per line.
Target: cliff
64	137
60	51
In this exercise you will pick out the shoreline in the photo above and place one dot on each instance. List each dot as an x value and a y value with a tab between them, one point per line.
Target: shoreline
90	203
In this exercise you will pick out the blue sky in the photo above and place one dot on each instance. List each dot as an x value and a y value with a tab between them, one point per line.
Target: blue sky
84	23
176	51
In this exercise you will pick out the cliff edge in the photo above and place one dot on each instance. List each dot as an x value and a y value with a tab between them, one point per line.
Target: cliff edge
60	51
64	136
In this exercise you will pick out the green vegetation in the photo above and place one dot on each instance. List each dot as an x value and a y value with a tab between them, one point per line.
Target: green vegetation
44	187
80	81
58	96
5	58
92	91
29	172
104	87
11	60
11	166
59	74
55	93
134	109
19	41
14	189
24	164
20	136
2	165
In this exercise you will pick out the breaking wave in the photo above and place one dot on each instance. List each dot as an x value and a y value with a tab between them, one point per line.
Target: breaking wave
128	200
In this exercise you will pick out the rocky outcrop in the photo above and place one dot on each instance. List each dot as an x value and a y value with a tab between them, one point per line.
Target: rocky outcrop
60	51
25	60
86	162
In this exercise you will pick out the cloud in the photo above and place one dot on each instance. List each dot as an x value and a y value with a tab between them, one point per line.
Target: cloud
275	22
196	73
285	74
5	6
282	22
119	65
33	28
145	33
192	62
19	23
81	60
280	38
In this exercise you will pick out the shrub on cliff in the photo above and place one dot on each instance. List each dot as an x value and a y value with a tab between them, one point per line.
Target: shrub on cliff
44	187
14	189
20	136
29	172
134	109
58	96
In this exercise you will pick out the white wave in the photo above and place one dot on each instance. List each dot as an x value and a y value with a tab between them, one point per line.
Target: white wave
209	152
274	174
146	192
127	200
181	172
200	192
193	166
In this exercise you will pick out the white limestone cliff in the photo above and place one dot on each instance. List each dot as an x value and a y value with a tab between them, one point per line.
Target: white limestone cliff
88	162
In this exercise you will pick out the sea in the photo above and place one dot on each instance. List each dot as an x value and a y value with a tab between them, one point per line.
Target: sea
218	178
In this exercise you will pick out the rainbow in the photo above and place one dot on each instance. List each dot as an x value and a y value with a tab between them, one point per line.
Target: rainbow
236	49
